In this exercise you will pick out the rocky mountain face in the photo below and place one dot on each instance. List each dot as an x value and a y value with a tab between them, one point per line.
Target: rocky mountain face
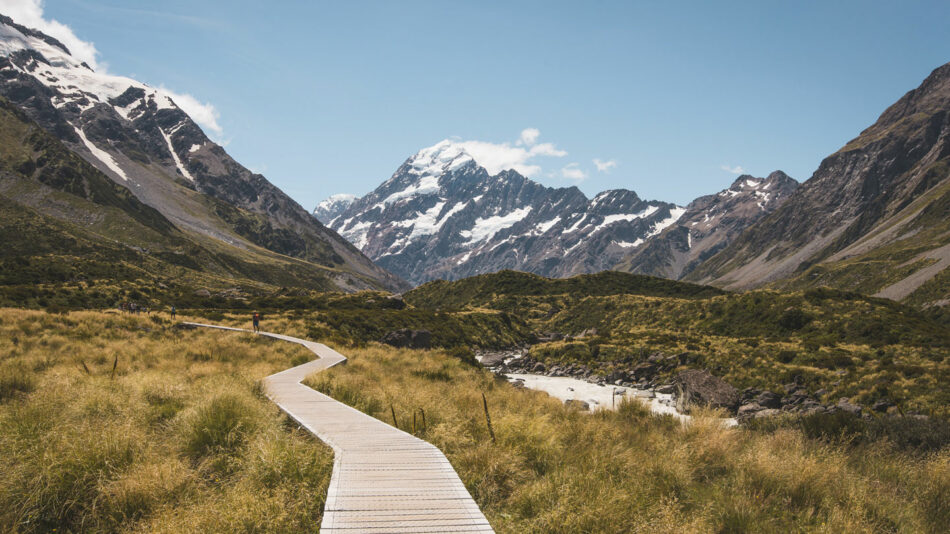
874	217
443	216
332	207
709	224
141	139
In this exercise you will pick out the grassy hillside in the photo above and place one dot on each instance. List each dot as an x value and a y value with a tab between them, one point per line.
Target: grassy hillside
846	344
63	221
923	227
490	290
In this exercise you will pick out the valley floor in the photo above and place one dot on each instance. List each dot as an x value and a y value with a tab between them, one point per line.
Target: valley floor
181	439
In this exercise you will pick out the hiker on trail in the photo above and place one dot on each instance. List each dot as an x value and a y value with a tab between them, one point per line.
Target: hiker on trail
173	312
257	322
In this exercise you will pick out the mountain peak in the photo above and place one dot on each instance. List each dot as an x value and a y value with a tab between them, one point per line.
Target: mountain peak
438	159
746	181
332	206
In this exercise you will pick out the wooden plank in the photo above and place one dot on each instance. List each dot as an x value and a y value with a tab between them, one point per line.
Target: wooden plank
384	479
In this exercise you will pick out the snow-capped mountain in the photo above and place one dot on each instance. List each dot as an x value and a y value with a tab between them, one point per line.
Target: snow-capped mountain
328	209
709	224
442	215
140	138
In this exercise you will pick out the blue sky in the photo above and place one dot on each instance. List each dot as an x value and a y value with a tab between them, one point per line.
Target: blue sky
326	98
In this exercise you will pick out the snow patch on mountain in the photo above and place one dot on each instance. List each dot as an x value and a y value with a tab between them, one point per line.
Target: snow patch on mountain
171	148
102	155
487	227
429	222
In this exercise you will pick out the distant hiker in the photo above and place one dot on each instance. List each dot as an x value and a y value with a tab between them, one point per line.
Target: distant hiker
256	320
173	312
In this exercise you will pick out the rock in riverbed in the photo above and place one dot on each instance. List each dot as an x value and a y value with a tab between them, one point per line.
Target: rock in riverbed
700	388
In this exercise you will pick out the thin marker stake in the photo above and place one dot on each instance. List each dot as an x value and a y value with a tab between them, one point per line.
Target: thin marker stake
488	418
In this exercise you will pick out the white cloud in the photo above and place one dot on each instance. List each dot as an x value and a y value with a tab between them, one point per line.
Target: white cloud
604	166
734	170
29	13
497	157
203	113
529	136
572	171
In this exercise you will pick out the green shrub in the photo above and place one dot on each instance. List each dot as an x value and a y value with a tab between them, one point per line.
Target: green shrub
915	434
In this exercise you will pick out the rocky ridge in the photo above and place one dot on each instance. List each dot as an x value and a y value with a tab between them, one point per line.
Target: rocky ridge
709	224
139	137
872	218
443	216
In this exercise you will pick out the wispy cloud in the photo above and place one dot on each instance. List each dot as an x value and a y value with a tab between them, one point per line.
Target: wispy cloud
29	13
203	113
520	156
572	171
604	166
529	136
734	170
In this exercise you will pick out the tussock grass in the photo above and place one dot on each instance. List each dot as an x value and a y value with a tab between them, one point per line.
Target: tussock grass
181	440
172	444
555	469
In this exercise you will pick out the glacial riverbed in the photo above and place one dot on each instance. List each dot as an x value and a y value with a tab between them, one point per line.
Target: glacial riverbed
601	397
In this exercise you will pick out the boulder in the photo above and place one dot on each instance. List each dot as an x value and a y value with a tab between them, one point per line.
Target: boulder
579	404
645	370
845	405
404	337
614	376
401	338
700	388
492	359
666	389
204	293
768	412
748	411
767	399
749	395
421	339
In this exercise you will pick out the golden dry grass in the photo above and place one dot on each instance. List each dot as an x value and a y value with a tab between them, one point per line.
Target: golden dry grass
554	469
181	440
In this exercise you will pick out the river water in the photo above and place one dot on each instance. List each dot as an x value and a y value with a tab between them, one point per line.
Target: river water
597	396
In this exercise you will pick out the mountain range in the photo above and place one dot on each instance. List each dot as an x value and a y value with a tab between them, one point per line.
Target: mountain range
105	176
874	217
443	216
137	137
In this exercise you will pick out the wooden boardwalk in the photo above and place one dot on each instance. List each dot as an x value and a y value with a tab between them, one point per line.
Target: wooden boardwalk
384	479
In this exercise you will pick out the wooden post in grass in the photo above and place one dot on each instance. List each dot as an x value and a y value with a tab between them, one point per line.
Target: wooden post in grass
393	410
84	368
423	412
413	423
488	418
114	365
